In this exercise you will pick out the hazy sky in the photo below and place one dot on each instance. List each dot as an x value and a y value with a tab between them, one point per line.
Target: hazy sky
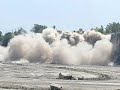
65	14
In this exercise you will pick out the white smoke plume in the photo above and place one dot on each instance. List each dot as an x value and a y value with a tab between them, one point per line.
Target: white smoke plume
90	48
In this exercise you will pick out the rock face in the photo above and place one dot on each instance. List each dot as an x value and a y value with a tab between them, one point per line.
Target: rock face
115	39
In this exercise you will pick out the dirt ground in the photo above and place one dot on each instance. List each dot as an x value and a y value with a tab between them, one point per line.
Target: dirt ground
40	76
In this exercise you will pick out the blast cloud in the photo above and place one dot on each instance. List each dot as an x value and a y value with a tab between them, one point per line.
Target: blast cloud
89	48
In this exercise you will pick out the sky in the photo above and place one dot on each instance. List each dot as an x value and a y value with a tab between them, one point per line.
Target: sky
67	15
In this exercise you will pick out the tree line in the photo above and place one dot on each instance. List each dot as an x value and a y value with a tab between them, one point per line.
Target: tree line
4	39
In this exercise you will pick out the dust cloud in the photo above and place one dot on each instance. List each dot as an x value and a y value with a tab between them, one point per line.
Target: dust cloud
88	48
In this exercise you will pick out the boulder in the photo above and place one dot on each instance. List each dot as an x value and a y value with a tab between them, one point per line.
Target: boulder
55	87
66	76
80	78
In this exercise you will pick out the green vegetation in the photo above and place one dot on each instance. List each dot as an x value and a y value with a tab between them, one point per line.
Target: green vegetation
20	31
101	29
113	27
4	39
38	28
110	28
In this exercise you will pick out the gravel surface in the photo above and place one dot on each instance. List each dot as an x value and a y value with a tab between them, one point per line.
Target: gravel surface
41	76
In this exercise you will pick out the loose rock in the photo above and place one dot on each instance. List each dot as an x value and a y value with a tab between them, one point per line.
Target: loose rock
66	76
55	87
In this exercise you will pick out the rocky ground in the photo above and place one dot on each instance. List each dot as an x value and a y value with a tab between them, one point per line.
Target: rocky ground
41	76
